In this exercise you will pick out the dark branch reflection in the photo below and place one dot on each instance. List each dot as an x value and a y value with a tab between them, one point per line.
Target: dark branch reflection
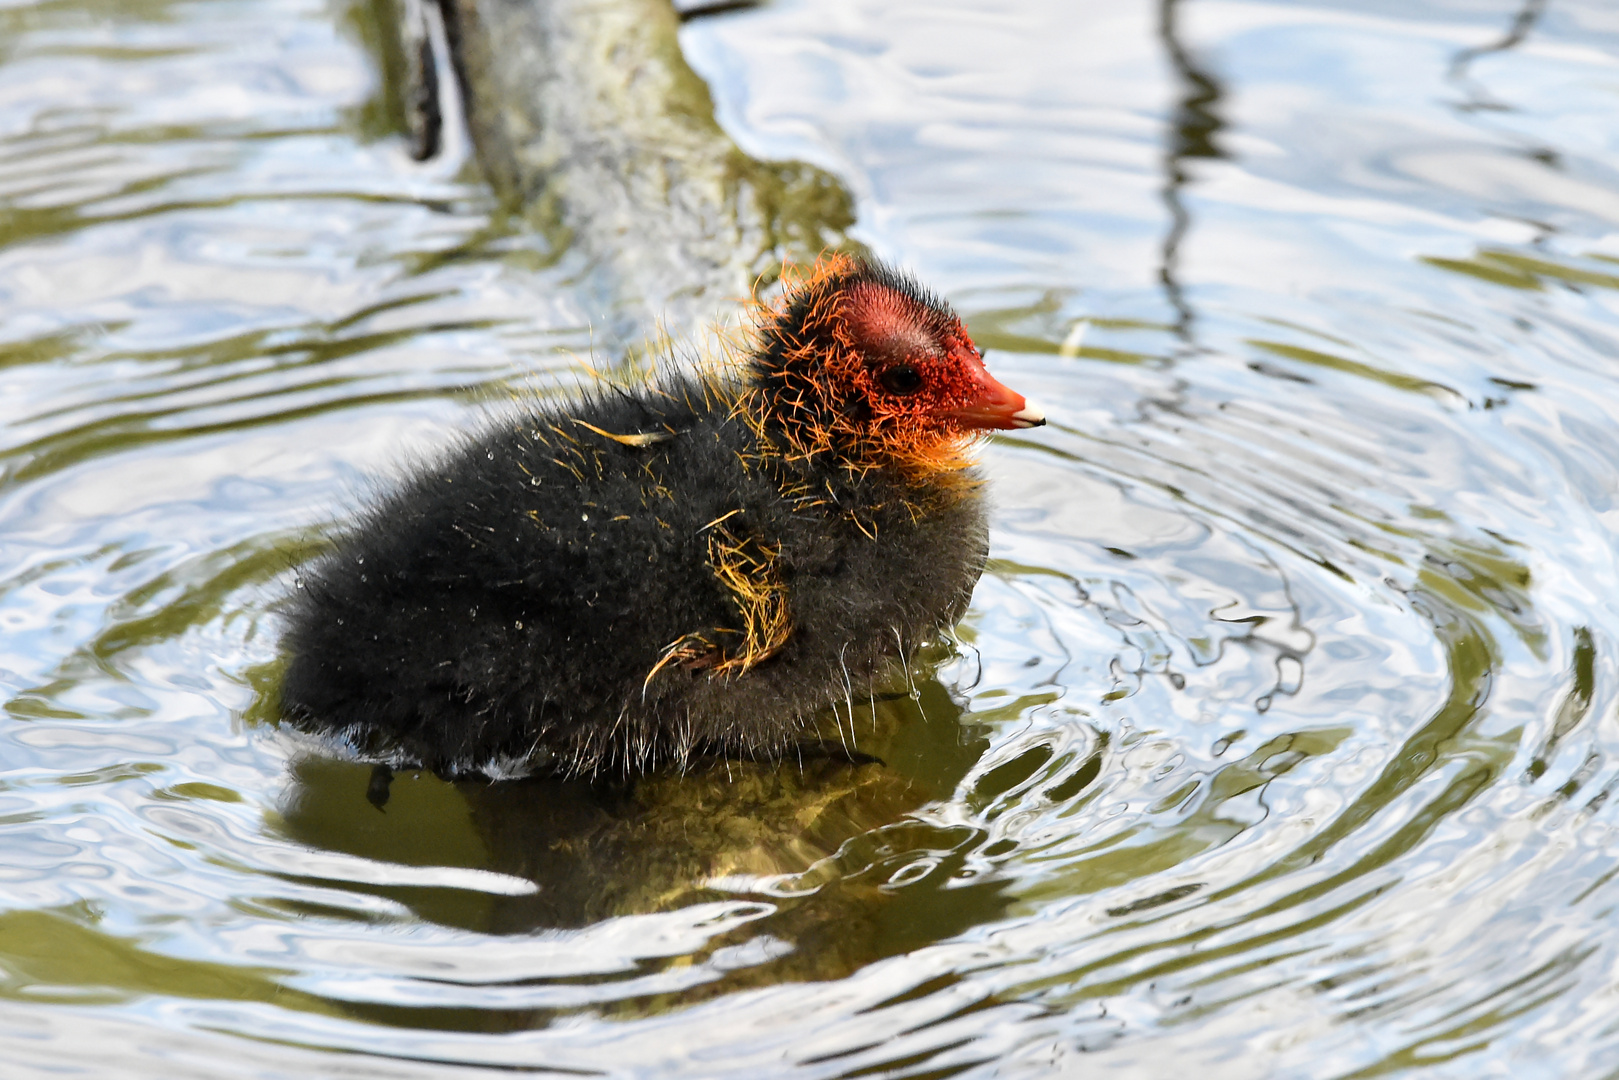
1191	134
1523	23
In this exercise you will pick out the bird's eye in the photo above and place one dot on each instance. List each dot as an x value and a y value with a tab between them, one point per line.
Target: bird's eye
901	379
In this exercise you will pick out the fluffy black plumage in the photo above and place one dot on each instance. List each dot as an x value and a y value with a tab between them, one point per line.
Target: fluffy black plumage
632	577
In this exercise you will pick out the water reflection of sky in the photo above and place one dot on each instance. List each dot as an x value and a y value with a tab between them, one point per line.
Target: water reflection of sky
1281	736
1348	135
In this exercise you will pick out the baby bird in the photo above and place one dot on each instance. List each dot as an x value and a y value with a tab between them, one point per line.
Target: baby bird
696	566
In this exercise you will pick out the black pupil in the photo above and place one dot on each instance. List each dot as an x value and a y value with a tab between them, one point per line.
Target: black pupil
902	379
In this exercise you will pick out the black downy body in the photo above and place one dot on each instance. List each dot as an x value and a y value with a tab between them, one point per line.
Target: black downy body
504	609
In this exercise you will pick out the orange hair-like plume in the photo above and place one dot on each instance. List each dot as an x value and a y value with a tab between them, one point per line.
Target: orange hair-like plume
819	354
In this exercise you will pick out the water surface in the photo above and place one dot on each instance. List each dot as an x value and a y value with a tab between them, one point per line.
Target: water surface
1280	738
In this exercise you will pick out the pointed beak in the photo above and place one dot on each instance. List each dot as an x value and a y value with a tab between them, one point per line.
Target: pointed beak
997	407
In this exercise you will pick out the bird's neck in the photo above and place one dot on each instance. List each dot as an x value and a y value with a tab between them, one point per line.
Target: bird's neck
829	456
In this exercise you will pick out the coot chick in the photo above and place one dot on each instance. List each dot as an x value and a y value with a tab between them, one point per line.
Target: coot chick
697	565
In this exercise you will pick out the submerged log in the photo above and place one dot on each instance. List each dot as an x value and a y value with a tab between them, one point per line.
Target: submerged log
588	121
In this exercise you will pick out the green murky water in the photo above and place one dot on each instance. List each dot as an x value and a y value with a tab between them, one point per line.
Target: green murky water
1281	735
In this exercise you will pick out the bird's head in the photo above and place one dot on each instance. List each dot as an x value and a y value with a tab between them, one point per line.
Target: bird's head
858	360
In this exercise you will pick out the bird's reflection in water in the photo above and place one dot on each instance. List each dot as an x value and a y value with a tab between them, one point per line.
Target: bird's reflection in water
829	846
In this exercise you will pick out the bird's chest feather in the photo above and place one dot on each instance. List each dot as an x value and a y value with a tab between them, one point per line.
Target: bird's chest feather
699	552
895	563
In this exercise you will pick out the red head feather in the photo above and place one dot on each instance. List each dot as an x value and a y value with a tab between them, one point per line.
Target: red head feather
858	360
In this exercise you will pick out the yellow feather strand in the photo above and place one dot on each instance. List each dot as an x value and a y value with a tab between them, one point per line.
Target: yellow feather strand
747	569
628	440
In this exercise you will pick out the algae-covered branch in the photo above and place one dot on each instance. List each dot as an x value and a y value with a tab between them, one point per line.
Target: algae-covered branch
588	121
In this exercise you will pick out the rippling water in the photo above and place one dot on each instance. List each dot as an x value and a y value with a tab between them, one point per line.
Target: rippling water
1282	733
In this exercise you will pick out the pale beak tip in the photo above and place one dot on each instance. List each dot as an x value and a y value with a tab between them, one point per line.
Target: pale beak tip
1029	417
